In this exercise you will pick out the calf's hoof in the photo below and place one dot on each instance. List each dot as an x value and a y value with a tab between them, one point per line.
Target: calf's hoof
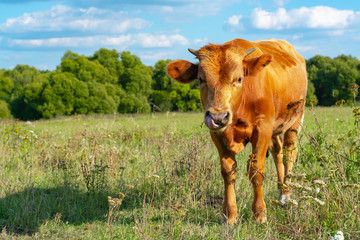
284	200
260	216
230	221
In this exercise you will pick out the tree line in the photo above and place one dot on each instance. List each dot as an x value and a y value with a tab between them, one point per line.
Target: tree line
111	82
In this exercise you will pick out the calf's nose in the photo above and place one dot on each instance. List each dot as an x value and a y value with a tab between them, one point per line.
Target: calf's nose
216	120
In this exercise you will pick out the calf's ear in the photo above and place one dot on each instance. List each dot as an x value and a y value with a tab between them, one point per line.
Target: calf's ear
254	65
182	71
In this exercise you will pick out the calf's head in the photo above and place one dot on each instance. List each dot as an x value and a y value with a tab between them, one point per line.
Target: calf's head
221	71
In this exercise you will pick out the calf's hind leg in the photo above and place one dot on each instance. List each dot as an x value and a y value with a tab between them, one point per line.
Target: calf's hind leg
290	152
277	153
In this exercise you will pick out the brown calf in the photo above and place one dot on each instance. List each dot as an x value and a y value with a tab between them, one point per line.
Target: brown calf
252	92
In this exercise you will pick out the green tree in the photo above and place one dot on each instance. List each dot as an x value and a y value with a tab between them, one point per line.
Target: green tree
312	74
161	101
110	59
85	69
136	80
184	97
6	86
162	85
115	91
4	109
58	96
33	97
21	75
99	100
161	79
81	96
332	78
346	78
169	95
130	103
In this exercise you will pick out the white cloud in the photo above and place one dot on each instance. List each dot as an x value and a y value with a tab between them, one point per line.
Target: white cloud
12	57
297	36
318	17
154	40
185	11
167	9
201	42
302	49
42	67
338	32
233	23
161	9
64	18
280	3
234	20
122	40
151	55
144	40
267	20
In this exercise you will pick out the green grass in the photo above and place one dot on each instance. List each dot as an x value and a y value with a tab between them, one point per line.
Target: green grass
56	177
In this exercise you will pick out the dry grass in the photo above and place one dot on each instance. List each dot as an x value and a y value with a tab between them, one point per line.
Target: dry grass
158	177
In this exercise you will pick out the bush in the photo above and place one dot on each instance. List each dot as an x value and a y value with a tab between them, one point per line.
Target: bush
4	110
133	104
110	82
332	78
161	101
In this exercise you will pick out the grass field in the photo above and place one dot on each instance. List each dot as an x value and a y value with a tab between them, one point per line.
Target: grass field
158	177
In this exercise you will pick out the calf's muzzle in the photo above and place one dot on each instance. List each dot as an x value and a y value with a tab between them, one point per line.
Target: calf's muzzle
216	121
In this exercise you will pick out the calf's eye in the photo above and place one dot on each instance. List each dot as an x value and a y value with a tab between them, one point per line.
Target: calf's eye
240	79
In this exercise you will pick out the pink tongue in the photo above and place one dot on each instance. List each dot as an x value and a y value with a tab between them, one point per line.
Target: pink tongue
209	122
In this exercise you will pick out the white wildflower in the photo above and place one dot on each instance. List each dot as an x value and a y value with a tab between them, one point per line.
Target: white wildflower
295	185
306	197
312	198
299	176
284	199
276	202
298	186
319	201
338	236
293	202
319	182
351	186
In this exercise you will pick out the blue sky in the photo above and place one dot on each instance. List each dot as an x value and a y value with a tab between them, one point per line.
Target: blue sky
38	33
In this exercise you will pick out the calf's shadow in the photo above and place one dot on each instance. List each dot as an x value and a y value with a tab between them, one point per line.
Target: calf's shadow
24	212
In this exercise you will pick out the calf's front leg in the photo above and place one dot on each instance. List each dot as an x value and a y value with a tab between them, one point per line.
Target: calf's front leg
228	172
256	172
